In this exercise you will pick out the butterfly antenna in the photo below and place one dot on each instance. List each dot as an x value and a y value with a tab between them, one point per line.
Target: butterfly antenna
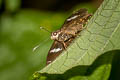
34	49
39	45
45	29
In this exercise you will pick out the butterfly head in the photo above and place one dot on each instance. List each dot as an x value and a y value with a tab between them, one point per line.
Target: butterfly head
55	35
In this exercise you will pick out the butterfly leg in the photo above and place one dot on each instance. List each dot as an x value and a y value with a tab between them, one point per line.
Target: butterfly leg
64	44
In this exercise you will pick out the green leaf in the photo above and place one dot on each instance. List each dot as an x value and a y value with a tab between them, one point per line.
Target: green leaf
100	36
99	70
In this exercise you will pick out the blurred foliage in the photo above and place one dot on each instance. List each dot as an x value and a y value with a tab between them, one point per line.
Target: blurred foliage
0	3
12	5
20	33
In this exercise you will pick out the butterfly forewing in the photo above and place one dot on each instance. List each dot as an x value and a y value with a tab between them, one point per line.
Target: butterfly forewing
76	16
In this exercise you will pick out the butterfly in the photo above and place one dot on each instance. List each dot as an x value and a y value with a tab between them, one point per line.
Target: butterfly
63	37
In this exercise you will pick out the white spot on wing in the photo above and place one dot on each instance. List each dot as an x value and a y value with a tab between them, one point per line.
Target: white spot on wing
72	18
56	50
49	61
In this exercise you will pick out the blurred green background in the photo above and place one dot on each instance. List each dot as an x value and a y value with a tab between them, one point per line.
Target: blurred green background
20	22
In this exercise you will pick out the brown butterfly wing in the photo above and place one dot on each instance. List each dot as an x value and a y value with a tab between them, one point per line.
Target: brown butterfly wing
57	45
80	13
75	22
54	51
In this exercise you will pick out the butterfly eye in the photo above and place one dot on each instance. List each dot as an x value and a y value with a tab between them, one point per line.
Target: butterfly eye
55	33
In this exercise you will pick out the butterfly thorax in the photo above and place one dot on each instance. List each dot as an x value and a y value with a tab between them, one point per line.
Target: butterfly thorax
60	36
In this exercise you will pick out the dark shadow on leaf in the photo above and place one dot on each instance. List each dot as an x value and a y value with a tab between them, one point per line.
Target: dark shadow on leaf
115	72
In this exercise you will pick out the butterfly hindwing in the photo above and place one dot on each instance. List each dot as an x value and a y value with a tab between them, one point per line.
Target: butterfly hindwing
54	51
